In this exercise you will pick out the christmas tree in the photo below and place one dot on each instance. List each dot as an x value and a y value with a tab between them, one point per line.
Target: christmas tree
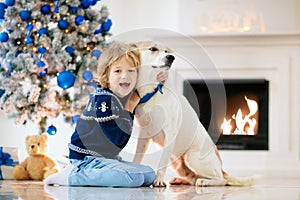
48	53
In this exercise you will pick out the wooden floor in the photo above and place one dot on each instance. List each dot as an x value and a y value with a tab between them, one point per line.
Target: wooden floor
266	188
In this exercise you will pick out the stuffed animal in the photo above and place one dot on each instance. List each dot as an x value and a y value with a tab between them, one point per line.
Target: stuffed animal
37	166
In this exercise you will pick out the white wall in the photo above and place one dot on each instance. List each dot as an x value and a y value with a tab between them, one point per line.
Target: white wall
137	14
280	16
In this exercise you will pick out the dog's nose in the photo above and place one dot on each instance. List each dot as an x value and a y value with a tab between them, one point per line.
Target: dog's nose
170	58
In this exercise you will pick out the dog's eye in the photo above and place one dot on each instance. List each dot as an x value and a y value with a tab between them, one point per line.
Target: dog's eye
153	49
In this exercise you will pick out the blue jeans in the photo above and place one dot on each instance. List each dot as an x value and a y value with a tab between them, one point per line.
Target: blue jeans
95	171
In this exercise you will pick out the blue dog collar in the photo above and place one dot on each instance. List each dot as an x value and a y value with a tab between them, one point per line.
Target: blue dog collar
149	95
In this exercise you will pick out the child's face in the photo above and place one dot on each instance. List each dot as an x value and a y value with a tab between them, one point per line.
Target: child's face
122	77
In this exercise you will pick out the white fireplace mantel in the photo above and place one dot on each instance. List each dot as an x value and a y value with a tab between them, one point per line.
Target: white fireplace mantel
219	40
275	57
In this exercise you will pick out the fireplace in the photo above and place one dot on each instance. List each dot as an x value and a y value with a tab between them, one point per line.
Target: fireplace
244	123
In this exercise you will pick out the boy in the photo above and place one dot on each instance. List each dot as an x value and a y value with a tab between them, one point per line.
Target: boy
105	126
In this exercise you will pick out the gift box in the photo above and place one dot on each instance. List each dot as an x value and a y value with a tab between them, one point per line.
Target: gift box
9	158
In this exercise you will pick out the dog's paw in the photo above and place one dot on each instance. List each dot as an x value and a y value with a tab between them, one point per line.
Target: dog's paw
178	181
159	183
201	182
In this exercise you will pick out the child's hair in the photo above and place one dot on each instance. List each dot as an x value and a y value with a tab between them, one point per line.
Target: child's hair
113	53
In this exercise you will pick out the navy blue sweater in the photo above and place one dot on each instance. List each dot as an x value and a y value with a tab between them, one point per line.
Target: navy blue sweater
104	127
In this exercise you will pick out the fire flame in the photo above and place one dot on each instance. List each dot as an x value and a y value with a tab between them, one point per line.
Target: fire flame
241	121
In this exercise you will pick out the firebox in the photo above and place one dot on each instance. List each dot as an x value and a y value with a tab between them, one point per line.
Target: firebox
243	124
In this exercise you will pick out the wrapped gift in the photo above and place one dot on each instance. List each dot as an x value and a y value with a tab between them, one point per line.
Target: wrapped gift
9	158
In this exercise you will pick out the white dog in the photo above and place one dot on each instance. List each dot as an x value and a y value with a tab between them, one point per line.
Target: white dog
169	120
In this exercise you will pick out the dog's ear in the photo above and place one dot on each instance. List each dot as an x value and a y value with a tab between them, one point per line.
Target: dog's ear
134	45
135	48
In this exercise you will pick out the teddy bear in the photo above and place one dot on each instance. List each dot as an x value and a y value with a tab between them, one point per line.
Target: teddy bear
37	166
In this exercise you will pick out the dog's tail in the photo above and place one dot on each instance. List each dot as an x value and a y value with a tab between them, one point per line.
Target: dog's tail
240	181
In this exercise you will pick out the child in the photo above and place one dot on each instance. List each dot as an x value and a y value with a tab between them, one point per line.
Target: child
105	126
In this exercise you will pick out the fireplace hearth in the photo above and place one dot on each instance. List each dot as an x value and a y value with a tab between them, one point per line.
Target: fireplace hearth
244	124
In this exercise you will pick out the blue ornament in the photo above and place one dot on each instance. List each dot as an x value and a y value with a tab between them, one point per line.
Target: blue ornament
2	13
79	19
43	31
51	130
4	37
106	25
29	40
84	4
73	9
44	72
10	2
56	10
25	15
41	64
96	53
45	9
98	30
42	50
63	24
65	79
1	92
29	27
70	50
87	75
3	6
74	118
18	52
93	2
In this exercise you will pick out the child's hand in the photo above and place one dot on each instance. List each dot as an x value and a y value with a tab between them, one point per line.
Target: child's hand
162	76
132	102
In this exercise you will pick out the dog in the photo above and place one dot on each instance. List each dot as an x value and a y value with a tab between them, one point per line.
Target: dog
167	118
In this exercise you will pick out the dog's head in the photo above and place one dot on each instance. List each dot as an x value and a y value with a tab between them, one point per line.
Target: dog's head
154	55
154	58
